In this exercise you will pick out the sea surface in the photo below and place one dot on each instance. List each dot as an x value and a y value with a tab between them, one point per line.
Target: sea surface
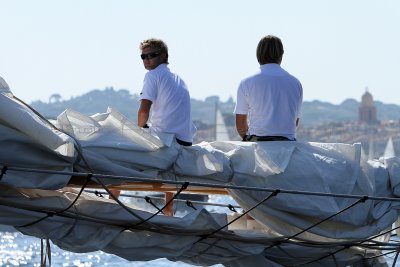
17	249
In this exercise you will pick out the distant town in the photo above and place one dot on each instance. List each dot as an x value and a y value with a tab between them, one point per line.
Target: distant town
372	123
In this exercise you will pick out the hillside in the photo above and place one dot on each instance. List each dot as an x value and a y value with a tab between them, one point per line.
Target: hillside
314	113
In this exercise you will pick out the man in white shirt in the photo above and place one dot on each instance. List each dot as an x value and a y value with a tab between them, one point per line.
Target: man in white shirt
165	94
269	102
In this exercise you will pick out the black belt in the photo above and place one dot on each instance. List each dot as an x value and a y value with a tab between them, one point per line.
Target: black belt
255	138
183	143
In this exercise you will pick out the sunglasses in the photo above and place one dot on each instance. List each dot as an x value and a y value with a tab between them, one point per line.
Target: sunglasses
149	55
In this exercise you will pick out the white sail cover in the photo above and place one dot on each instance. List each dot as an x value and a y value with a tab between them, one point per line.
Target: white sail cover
110	144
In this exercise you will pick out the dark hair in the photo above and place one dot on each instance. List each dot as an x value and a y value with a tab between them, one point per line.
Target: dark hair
157	44
269	50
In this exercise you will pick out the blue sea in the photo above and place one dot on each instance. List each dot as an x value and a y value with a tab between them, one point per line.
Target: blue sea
17	249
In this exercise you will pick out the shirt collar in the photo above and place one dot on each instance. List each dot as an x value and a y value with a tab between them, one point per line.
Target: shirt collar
162	66
270	66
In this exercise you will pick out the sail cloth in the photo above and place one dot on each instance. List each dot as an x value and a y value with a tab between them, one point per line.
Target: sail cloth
96	223
111	144
28	141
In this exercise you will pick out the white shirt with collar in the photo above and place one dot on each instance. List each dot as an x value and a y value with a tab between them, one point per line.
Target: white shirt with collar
272	100
171	108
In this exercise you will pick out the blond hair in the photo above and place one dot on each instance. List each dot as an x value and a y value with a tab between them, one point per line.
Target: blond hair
157	44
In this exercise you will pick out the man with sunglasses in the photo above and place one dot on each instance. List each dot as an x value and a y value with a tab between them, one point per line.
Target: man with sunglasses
269	102
166	94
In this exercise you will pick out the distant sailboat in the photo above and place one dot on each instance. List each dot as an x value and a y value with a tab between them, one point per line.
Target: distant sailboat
389	149
371	149
221	130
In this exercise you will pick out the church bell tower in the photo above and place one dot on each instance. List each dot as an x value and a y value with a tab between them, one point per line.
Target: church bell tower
367	110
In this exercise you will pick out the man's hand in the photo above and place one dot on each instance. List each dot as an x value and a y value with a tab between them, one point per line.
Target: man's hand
241	124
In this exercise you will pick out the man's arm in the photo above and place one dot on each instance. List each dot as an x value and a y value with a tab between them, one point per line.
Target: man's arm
144	112
241	124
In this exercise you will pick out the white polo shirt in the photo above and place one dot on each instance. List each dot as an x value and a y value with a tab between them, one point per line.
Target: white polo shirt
272	100
171	109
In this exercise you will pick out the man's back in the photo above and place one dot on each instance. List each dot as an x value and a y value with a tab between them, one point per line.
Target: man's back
272	100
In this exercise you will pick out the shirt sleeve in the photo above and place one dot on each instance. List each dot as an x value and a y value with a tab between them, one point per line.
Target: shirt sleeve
241	101
300	101
150	88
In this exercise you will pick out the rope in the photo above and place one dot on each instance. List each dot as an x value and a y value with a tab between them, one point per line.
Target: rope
232	208
137	179
362	200
44	255
273	194
229	206
50	213
395	258
190	204
97	193
183	187
148	200
348	245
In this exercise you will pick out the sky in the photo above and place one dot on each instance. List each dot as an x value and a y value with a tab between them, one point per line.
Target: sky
336	49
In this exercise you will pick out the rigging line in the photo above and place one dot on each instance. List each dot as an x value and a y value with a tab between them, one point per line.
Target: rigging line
232	208
75	216
273	194
379	255
346	246
49	214
125	207
224	186
148	200
229	206
378	235
383	244
209	246
374	243
395	258
183	187
285	252
362	200
170	231
335	261
44	255
326	256
190	204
